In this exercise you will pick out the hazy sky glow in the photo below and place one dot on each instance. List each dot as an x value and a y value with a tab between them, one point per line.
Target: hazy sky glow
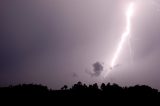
56	42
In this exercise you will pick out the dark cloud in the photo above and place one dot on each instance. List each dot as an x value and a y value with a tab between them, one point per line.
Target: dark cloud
97	69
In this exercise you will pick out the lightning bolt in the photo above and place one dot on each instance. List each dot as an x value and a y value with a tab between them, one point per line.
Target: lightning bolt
124	37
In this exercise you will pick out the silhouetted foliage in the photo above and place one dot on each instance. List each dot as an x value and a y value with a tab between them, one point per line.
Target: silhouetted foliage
79	90
64	87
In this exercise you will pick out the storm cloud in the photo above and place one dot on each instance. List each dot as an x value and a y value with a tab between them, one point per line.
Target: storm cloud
97	69
46	41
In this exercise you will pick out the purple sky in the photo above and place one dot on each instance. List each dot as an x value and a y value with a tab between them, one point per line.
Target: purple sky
57	42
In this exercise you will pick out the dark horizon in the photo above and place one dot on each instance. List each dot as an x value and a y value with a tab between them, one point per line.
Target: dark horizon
78	90
66	87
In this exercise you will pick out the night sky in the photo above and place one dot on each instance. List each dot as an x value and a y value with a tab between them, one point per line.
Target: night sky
57	42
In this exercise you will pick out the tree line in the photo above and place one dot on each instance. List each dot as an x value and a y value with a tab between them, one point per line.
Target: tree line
79	90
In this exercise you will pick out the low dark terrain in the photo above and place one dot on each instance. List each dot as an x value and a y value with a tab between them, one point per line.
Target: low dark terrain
79	90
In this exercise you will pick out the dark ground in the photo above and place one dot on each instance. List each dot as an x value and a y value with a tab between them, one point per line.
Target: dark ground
80	93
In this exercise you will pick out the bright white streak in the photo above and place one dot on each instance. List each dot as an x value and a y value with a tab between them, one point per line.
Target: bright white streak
125	34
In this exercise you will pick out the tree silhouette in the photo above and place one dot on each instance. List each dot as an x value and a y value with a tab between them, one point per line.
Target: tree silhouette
79	90
64	87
